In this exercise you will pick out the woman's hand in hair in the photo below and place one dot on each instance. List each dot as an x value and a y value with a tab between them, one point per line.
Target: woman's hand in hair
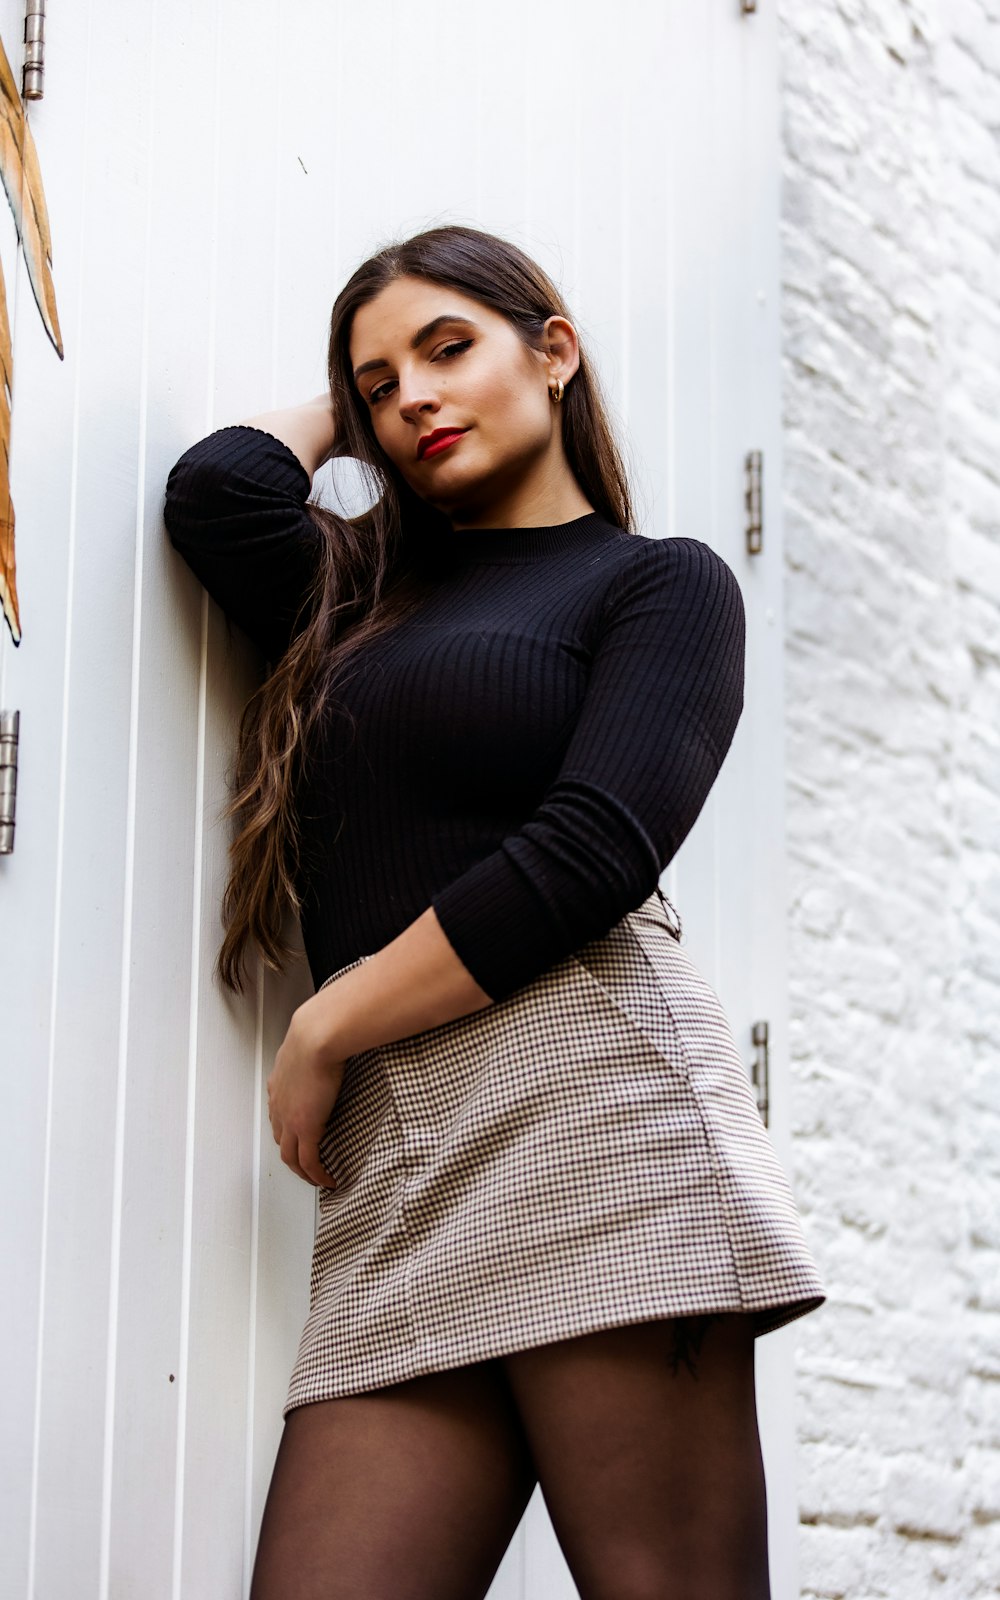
302	1089
310	430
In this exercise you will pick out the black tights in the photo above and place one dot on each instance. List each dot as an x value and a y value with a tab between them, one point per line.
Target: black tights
644	1439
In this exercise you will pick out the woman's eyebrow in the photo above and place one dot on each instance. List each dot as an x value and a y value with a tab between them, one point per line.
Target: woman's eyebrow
418	339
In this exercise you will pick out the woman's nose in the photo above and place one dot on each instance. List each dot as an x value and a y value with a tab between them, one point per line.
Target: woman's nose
415	397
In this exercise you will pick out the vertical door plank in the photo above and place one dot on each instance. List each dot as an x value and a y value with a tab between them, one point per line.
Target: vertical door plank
151	1232
648	377
33	680
90	1002
215	1269
248	1255
693	495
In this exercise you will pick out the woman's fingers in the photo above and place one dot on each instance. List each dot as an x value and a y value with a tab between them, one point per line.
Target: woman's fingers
312	1166
290	1154
302	1155
300	1096
289	1147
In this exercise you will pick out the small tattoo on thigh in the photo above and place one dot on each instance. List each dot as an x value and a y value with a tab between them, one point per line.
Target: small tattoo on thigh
688	1333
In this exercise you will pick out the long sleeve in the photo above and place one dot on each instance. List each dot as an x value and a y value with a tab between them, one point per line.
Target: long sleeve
235	509
663	699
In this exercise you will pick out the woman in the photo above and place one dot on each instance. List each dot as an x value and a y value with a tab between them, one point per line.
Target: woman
551	1222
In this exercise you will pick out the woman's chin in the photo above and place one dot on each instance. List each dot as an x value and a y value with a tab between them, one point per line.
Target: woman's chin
448	496
457	490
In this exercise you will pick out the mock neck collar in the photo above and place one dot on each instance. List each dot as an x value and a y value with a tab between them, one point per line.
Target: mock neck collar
478	546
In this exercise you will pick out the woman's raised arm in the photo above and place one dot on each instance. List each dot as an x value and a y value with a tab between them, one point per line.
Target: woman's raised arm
236	510
310	430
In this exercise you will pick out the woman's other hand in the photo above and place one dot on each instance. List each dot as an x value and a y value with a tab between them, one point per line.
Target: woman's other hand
302	1089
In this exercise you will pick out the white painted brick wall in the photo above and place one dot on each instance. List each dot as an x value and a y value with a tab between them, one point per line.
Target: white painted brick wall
891	321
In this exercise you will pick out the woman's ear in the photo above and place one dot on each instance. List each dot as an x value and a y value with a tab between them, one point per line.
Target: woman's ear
562	348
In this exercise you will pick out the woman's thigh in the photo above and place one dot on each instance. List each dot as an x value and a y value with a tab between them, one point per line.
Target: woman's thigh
413	1491
651	1469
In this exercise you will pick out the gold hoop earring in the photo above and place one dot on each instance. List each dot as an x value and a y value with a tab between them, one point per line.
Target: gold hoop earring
557	390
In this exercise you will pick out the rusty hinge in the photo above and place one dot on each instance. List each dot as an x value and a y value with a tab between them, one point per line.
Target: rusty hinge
759	1068
10	723
33	70
753	475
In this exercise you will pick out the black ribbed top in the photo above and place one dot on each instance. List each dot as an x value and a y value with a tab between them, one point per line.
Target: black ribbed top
530	747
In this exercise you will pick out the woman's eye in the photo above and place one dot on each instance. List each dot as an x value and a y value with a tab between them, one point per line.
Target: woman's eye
446	352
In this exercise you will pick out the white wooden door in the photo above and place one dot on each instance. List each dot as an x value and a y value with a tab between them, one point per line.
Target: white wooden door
214	169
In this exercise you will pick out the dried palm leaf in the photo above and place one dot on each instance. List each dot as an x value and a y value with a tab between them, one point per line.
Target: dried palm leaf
22	179
8	584
8	580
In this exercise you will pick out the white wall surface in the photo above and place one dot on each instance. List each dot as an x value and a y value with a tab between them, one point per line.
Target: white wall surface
891	332
213	172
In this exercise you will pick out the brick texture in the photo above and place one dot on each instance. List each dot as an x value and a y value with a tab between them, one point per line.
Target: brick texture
891	410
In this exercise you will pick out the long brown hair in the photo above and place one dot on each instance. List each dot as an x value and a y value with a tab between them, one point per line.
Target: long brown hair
372	570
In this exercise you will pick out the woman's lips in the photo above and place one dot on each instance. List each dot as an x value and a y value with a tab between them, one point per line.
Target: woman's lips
437	445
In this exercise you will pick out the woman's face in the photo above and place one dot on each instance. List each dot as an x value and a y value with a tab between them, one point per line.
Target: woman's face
428	361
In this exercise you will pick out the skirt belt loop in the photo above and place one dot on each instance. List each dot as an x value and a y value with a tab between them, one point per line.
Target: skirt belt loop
674	923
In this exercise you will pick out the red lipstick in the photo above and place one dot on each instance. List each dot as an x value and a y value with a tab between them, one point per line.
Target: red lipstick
433	443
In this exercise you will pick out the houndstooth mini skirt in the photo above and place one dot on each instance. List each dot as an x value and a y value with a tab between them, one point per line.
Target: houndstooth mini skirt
585	1153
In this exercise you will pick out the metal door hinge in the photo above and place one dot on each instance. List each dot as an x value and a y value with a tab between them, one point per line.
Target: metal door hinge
10	723
33	71
753	475
759	1069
